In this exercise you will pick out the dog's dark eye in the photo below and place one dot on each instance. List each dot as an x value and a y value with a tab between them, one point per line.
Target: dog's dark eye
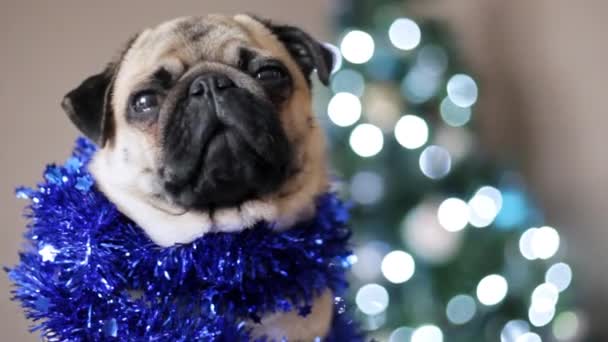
145	102
270	73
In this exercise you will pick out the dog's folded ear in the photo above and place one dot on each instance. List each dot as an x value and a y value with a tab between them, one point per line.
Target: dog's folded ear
88	105
306	51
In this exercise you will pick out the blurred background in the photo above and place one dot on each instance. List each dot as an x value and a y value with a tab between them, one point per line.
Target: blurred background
469	134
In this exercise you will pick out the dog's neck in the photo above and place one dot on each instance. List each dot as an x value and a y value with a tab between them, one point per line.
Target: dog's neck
167	225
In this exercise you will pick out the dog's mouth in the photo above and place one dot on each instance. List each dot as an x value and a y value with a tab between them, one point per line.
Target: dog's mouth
223	151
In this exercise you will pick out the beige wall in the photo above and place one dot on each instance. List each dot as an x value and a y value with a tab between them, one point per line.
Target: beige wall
47	47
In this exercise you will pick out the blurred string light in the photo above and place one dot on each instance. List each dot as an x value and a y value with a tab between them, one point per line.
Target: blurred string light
454	115
483	211
484	206
545	242
411	132
366	140
372	299
337	56
545	296
398	267
539	317
366	187
424	235
369	256
462	90
492	289
542	307
404	34
348	81
461	309
539	243
559	275
357	47
401	334
529	337
566	326
453	214
419	84
513	330
344	109
427	333
435	162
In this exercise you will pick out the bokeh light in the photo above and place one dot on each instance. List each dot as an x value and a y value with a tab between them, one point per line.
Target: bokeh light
539	243
529	337
566	326
366	140
545	297
492	289
411	132
404	34
484	206
357	47
540	316
454	115
427	333
398	267
492	193
366	187
435	162
513	330
372	299
344	109
401	334
560	275
545	242
369	256
461	309
453	214
525	244
462	90
348	81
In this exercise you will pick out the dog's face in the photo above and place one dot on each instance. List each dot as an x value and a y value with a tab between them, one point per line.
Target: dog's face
205	115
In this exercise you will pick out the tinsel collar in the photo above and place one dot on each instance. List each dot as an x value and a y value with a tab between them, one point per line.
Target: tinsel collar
88	272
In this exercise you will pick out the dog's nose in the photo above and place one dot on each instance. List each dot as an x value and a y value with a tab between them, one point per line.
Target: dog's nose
210	82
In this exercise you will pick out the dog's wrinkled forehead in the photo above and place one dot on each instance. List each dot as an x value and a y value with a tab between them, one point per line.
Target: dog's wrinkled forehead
178	44
189	40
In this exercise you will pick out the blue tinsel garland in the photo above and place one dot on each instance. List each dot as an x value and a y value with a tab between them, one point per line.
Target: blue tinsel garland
88	273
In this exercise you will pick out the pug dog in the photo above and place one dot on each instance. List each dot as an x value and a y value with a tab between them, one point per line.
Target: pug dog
205	124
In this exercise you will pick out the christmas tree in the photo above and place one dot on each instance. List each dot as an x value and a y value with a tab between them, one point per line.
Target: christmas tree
450	245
